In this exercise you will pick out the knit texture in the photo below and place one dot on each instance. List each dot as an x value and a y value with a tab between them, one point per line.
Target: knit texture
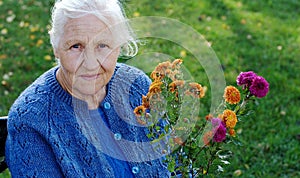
52	134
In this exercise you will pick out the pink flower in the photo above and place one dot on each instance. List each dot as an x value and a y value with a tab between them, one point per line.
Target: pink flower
259	87
219	129
245	79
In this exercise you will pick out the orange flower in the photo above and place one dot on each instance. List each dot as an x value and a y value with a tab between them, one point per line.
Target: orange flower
140	121
232	132
175	85
178	140
163	66
154	97
173	74
196	90
160	70
229	117
209	117
220	116
145	101
176	63
169	72
207	137
166	69
232	95
156	75
138	111
155	87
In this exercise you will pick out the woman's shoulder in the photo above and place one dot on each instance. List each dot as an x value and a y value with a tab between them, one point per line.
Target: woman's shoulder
129	79
35	98
130	70
126	88
130	75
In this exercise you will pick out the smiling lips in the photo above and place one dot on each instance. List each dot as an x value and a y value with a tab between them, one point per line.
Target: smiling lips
90	77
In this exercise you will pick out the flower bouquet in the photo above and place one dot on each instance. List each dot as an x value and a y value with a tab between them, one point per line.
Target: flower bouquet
194	146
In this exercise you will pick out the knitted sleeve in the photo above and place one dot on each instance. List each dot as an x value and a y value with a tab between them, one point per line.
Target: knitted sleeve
28	153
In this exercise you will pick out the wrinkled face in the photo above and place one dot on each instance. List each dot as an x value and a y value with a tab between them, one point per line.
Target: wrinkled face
88	54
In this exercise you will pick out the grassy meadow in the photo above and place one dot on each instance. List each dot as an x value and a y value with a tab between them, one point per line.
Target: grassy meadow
258	35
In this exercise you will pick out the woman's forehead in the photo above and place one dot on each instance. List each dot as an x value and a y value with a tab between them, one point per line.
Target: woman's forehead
86	26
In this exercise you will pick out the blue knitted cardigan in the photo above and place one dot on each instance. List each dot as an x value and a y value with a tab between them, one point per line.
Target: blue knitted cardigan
52	134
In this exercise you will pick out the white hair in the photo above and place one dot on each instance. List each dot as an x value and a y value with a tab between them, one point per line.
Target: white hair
110	12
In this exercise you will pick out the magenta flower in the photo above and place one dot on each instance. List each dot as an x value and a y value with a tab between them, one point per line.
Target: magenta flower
259	87
219	129
245	79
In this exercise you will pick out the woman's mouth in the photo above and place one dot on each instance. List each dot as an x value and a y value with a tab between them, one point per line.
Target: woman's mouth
90	77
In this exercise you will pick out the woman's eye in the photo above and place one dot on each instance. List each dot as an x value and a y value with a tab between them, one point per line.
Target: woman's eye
76	46
103	45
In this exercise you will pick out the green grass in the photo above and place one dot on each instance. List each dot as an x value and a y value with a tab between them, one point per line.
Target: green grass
262	36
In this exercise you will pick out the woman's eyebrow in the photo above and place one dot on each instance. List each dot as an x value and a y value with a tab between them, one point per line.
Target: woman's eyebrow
107	41
71	42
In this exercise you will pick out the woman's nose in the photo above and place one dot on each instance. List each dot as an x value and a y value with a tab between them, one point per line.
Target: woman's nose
90	59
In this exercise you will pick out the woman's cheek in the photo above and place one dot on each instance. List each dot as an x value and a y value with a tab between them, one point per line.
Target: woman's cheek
72	62
110	63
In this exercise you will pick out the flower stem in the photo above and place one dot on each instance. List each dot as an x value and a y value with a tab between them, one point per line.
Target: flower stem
243	104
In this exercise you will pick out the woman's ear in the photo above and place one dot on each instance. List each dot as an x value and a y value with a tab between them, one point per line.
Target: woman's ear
118	50
55	53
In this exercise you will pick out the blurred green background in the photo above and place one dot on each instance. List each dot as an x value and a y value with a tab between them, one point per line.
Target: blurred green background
258	35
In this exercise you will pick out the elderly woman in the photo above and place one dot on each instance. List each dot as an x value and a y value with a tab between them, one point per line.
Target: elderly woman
76	120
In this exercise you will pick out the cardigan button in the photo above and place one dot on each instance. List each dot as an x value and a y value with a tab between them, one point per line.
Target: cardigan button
106	105
117	136
135	170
